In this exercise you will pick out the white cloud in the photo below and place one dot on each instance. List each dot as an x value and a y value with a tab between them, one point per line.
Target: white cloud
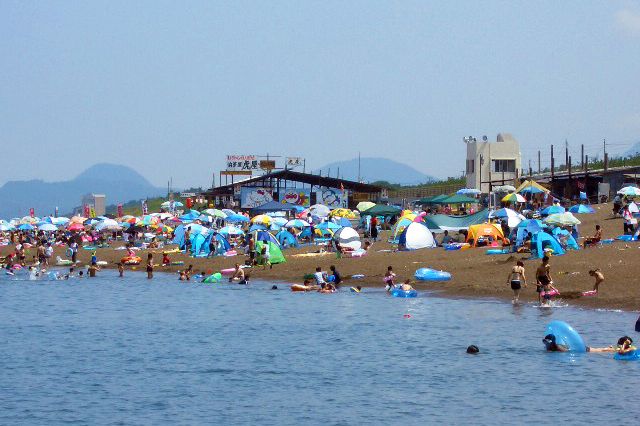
628	21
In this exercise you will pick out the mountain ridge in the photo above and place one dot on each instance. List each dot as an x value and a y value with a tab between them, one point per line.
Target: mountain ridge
119	184
377	169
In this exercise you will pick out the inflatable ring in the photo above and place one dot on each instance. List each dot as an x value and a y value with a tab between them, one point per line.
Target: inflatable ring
396	292
131	260
300	287
631	356
69	252
355	276
213	278
428	274
453	246
625	238
354	290
566	336
496	251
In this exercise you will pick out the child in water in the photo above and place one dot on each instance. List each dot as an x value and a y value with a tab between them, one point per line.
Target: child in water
406	286
389	278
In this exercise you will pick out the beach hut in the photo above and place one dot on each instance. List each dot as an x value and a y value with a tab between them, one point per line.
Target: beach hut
489	231
416	236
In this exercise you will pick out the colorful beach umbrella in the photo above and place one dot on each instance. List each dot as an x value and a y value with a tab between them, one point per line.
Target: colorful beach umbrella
364	205
296	223
512	217
553	210
231	230
75	226
342	213
47	227
215	213
262	219
513	198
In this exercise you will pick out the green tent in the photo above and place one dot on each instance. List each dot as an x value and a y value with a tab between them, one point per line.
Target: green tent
434	200
459	199
275	254
382	210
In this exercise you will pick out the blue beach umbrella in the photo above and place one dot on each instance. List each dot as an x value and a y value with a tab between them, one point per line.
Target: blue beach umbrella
581	209
47	227
25	227
237	218
553	210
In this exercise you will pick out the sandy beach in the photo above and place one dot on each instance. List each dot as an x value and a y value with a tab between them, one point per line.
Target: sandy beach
474	274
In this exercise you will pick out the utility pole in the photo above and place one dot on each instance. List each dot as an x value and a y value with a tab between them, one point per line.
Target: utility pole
358	166
566	153
553	164
530	171
539	169
582	156
606	156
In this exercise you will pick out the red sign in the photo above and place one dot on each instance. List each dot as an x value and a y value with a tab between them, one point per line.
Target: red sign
32	212
87	211
120	210
189	202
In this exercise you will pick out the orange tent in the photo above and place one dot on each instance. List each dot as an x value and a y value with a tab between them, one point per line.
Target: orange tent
489	231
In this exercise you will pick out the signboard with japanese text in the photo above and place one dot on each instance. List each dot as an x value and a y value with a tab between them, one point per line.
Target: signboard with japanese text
295	161
332	197
296	196
251	198
242	163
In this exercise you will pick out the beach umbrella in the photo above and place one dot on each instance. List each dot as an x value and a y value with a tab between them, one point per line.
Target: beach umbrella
342	213
630	191
513	198
319	210
296	223
562	219
512	217
148	220
30	220
633	208
91	221
228	212
468	191
303	214
257	227
279	221
364	205
261	219
108	225
167	204
196	228
6	227
581	209
75	226
328	226
237	218
162	228
78	219
215	213
47	227
553	210
348	238
59	220
25	227
531	190
231	230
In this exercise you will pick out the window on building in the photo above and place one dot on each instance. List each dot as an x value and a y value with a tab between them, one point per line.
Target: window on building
507	166
471	166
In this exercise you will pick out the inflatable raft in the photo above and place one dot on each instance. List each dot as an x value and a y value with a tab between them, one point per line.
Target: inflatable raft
396	292
428	274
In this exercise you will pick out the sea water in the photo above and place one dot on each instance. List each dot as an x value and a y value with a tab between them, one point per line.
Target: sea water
111	350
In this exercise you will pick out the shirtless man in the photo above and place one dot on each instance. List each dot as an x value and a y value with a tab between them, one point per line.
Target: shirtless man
543	279
238	275
599	276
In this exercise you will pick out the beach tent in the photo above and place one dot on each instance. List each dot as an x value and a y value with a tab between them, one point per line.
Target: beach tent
286	239
348	238
562	234
531	187
398	229
383	210
433	200
512	217
489	231
541	241
275	252
416	236
581	209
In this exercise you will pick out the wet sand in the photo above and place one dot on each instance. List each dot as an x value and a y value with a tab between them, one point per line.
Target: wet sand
474	274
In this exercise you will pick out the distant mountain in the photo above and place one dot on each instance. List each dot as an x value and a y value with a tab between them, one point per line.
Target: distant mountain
119	183
377	169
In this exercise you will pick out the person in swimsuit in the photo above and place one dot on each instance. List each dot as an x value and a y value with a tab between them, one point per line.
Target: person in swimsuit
517	279
544	283
389	278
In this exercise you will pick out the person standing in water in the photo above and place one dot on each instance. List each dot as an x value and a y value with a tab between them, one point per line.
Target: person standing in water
517	279
389	278
543	279
150	265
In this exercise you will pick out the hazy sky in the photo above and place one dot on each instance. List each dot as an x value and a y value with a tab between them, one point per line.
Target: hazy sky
170	88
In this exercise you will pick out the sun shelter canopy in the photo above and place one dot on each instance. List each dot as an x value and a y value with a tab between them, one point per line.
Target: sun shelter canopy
433	200
382	210
459	199
443	222
274	206
531	186
486	230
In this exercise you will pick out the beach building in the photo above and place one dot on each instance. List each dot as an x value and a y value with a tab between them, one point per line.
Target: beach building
491	164
293	188
95	202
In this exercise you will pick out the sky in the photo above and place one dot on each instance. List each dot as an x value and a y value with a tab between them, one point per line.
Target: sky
171	88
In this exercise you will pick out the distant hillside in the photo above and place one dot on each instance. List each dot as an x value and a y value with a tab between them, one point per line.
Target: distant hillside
377	169
118	183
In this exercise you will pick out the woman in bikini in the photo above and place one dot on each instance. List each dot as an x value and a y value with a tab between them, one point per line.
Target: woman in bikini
517	279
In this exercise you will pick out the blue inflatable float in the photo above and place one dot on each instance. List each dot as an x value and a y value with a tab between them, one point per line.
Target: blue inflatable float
428	274
566	336
396	292
631	356
496	251
626	237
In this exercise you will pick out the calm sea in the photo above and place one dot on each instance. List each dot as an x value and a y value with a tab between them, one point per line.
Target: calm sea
133	351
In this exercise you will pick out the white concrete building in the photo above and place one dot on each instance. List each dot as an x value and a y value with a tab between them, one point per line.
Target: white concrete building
97	202
491	164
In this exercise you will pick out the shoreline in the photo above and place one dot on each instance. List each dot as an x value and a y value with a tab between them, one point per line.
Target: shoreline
474	273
